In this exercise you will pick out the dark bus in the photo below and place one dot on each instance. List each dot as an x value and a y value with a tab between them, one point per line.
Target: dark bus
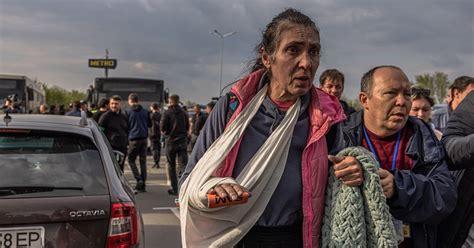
25	93
148	90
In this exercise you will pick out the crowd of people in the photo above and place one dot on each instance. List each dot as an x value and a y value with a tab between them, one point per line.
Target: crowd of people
129	130
275	134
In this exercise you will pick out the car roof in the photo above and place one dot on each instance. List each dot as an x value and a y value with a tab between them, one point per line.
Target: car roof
70	124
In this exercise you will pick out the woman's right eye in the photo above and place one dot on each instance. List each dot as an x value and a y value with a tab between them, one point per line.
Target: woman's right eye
292	49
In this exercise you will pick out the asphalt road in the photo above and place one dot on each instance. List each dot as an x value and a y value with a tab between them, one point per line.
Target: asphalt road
159	212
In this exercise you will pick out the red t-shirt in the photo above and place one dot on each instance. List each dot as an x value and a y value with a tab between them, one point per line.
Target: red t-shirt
385	149
283	106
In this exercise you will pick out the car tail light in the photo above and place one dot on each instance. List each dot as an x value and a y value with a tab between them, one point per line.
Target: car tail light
124	226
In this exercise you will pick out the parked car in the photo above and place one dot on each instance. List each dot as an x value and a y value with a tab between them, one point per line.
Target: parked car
61	186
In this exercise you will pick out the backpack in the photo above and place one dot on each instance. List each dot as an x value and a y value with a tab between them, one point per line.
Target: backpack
232	104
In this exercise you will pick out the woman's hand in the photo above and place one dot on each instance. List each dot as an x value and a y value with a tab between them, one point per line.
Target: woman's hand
228	189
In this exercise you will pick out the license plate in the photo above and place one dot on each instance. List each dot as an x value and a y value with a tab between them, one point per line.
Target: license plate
16	237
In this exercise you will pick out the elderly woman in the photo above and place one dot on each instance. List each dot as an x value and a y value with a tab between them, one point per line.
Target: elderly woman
270	136
421	106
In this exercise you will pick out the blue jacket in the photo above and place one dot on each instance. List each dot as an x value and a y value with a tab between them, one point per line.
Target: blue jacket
425	195
138	123
74	112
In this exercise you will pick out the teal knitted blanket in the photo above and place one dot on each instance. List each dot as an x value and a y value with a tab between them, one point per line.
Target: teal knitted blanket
357	216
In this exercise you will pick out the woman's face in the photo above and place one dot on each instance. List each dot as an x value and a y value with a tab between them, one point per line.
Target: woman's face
294	63
421	108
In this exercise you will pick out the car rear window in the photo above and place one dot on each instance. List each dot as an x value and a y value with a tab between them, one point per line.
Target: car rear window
45	164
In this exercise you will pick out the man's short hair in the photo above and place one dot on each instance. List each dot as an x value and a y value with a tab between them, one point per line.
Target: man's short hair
154	106
211	104
76	104
332	74
133	97
461	83
174	98
103	103
367	81
116	98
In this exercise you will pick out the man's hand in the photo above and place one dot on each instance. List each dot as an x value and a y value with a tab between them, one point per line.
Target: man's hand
387	181
227	189
348	170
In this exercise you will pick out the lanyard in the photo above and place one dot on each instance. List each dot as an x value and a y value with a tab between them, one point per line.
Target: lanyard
371	147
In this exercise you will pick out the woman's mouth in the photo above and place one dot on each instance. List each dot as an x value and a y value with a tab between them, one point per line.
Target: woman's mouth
303	79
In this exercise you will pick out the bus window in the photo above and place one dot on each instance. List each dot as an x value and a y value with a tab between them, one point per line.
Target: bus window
6	84
137	87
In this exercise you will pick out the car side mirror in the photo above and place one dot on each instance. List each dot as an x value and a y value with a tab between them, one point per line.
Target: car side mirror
119	156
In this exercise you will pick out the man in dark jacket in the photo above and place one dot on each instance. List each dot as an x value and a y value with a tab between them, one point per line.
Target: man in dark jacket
155	133
138	123
198	120
415	179
115	127
103	107
458	229
457	91
175	126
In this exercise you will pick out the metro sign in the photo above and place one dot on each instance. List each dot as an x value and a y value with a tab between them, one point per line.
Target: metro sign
103	63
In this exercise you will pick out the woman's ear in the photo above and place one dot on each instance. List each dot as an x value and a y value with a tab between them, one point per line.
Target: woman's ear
266	58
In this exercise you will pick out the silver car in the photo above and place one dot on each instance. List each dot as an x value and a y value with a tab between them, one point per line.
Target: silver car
61	186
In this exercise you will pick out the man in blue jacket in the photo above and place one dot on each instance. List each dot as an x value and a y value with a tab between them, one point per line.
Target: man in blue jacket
414	175
138	123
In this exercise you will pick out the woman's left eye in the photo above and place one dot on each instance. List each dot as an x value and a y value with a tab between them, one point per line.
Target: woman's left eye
314	52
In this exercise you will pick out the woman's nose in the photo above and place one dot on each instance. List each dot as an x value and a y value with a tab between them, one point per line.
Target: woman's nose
305	61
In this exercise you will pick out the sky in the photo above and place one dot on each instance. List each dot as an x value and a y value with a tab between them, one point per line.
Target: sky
52	40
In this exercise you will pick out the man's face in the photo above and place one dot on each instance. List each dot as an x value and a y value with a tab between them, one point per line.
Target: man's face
208	109
172	102
294	62
449	98
386	110
333	87
458	96
84	107
132	103
197	109
114	105
43	109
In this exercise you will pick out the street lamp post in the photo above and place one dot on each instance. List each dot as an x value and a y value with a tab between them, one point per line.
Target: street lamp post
222	36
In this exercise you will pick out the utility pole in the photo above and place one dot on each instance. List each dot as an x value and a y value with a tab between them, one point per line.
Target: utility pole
222	36
106	57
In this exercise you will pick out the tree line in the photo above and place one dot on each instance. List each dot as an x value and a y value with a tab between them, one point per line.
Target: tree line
56	95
